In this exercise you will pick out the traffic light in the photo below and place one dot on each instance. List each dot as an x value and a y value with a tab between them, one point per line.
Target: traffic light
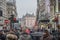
13	19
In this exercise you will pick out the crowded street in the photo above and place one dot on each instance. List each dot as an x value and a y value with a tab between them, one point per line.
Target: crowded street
28	34
29	19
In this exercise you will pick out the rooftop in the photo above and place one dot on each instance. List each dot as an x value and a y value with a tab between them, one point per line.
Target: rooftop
29	15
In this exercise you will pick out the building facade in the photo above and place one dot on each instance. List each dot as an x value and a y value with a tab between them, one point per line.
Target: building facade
7	8
11	8
43	13
28	20
55	12
48	9
2	12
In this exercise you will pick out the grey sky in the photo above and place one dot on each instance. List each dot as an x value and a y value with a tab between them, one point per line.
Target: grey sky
24	6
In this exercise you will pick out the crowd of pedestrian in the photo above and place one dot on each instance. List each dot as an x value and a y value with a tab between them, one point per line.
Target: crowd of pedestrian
9	35
26	34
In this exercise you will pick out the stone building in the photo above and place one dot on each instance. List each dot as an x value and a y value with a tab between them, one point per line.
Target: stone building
43	13
7	8
55	13
11	8
28	20
2	13
48	9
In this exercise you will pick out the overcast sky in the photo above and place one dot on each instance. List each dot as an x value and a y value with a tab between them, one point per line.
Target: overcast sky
24	6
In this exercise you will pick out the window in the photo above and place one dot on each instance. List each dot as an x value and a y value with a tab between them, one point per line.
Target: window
0	13
11	1
59	5
58	0
0	3
13	12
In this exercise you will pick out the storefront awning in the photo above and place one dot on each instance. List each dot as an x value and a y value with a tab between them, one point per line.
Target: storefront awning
44	20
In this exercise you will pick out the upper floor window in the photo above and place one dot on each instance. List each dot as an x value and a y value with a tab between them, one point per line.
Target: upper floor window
58	0
1	13
11	1
59	5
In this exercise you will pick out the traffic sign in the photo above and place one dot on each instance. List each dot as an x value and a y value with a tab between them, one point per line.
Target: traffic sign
7	21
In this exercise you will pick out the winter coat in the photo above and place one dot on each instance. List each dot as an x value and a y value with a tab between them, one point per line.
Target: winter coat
11	37
17	34
2	37
46	38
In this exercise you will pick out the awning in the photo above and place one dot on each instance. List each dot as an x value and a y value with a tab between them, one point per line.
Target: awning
44	20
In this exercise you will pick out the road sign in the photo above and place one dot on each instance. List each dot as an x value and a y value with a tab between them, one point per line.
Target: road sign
7	21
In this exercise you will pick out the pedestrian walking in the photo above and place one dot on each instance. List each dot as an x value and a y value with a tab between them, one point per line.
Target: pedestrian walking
11	36
16	33
46	36
2	36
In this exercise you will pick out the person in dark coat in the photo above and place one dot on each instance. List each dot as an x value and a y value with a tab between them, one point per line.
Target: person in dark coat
16	33
25	36
46	36
2	36
58	34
